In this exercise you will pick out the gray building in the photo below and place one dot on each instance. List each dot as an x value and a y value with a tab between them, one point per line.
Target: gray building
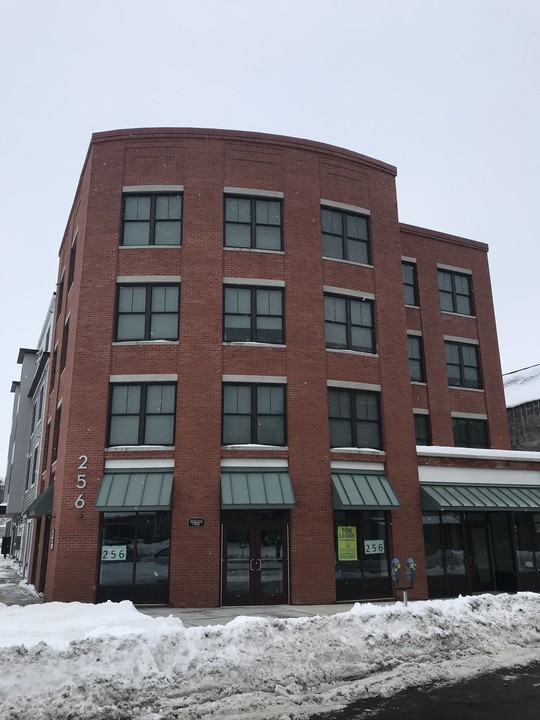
522	392
23	472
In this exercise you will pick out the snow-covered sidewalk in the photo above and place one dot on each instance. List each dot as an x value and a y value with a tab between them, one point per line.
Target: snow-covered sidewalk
111	662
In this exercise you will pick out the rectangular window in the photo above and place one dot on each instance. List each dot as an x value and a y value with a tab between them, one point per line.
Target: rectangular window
416	358
253	223
354	417
253	314
60	296
254	414
462	364
410	284
348	323
147	312
35	460
345	236
56	434
470	432
152	220
46	447
52	378
422	429
71	269
455	292
63	352
142	414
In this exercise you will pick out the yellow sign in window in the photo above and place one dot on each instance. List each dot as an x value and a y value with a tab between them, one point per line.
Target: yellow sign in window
346	538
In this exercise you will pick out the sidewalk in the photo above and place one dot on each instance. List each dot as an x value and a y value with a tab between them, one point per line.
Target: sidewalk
13	591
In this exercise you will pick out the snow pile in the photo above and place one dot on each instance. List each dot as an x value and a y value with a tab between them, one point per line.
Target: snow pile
522	386
109	662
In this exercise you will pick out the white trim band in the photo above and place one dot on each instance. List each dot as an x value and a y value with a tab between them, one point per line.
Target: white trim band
348	293
152	188
255	379
134	464
352	385
468	341
463	271
253	281
250	191
345	206
143	378
137	279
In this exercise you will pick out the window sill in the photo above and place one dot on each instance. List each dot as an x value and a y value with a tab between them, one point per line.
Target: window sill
415	307
468	389
253	344
144	342
358	451
139	247
456	314
419	382
352	352
130	448
254	447
348	262
260	250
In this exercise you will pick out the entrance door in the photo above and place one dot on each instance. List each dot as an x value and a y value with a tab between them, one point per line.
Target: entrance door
479	556
255	558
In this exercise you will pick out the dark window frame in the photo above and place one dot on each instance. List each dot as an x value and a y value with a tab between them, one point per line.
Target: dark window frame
64	348
72	259
424	433
349	325
454	295
354	420
254	314
152	219
252	224
148	312
462	365
344	236
254	414
417	370
142	413
410	287
467	428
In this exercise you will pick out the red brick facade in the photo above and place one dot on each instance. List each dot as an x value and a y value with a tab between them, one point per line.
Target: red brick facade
206	162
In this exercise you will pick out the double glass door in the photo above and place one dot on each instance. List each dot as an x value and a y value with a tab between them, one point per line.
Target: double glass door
255	557
480	556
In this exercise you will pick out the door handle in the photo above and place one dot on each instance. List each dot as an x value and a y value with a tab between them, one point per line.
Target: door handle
472	560
258	569
251	568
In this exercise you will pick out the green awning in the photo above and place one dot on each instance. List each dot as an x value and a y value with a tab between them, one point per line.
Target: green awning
256	489
363	491
42	505
122	491
480	497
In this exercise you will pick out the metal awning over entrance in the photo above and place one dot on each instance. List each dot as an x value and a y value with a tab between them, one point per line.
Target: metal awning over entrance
42	505
141	491
363	491
480	497
256	489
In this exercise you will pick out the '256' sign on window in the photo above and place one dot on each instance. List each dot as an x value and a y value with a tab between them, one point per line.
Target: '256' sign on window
374	547
113	552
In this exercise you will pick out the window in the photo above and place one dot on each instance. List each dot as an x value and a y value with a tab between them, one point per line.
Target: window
147	312
354	417
35	459
345	236
254	414
52	378
348	323
422	429
63	351
470	432
60	296
56	434
416	358
455	292
462	365
72	257
253	314
46	447
142	414
410	285
253	223
152	220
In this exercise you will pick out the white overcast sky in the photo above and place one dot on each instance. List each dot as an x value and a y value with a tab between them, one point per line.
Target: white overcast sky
448	92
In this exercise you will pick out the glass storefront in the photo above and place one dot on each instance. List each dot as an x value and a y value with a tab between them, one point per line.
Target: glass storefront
445	554
135	550
361	555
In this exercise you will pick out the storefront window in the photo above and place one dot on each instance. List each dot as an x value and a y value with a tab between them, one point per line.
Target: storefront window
135	550
444	544
361	551
525	550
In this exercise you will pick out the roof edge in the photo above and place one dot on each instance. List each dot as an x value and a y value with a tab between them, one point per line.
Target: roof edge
445	237
240	135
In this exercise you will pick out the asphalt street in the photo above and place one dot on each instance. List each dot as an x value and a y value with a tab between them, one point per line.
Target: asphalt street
493	696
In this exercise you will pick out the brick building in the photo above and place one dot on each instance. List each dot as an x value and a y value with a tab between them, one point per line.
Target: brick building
263	387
